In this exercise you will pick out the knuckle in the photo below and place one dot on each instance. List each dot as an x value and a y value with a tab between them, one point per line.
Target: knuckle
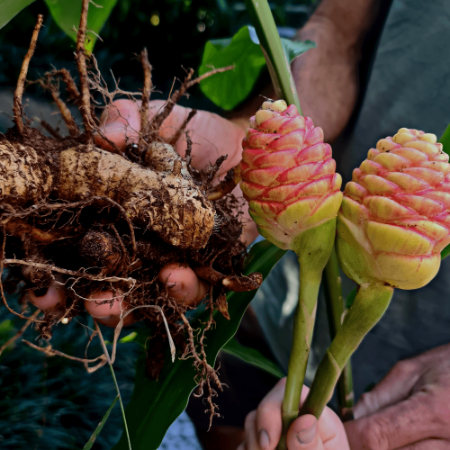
368	400
406	367
264	410
373	435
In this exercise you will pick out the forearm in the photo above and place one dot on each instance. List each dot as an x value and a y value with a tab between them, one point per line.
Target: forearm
352	19
327	77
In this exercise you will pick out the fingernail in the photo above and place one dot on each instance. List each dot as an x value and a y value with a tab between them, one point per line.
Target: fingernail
263	439
40	292
306	436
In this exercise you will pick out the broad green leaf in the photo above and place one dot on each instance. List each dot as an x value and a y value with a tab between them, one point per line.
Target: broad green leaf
10	8
154	405
100	426
67	15
228	89
253	357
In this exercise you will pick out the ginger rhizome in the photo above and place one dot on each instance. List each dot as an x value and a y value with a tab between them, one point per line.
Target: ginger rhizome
91	219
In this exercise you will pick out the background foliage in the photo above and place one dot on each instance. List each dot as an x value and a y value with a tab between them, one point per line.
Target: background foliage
174	32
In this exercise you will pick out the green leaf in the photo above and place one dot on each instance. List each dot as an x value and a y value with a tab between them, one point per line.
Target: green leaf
7	330
100	426
292	49
138	336
154	405
228	89
6	327
128	338
67	15
9	8
253	357
445	252
445	140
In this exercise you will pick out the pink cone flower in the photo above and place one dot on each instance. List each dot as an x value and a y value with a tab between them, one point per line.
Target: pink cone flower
395	215
288	175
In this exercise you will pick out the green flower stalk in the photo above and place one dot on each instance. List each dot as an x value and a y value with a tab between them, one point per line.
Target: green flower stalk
393	223
289	179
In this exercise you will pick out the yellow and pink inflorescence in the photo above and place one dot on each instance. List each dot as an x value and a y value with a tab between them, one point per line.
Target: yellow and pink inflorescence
288	175
395	220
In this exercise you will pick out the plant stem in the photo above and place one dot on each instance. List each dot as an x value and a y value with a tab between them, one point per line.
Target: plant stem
333	293
369	306
121	406
336	311
105	350
277	63
304	319
346	396
313	248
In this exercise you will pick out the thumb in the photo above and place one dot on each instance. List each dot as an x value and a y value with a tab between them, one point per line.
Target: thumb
303	434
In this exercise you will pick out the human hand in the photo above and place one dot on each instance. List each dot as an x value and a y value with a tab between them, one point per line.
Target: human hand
212	137
408	409
263	427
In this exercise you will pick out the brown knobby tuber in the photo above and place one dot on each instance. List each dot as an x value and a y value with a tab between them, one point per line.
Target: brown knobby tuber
91	220
165	202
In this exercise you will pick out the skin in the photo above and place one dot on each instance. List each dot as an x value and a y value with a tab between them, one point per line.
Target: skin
408	409
263	427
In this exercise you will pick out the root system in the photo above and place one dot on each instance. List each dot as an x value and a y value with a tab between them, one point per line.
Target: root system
91	219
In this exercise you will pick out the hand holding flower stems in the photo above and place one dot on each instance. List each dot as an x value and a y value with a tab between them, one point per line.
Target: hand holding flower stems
289	180
392	226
